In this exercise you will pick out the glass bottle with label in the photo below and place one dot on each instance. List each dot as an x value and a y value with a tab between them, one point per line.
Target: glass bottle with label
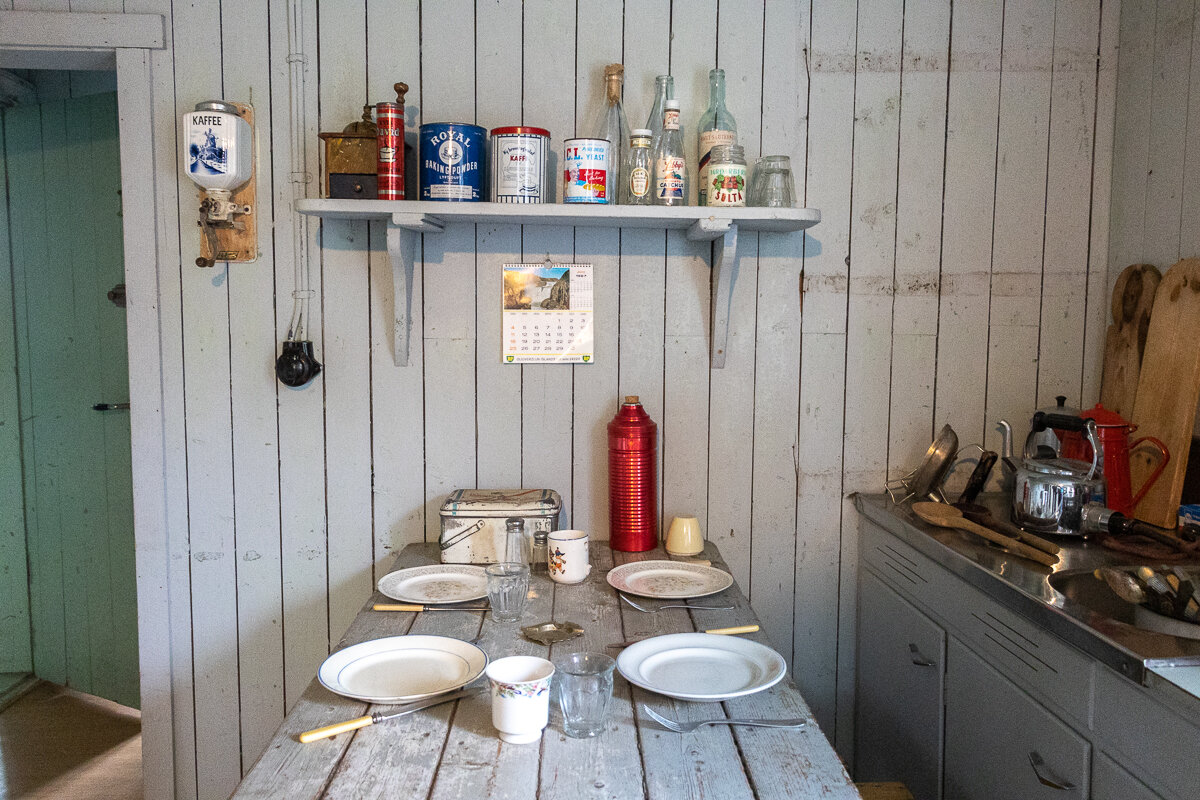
612	126
716	126
727	176
670	167
664	90
639	170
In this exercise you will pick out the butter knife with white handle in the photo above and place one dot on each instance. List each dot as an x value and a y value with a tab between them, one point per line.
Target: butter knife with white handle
371	719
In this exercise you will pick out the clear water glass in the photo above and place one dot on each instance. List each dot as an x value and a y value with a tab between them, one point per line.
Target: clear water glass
507	588
585	685
771	185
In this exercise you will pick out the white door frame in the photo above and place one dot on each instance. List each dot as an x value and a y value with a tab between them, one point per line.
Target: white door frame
73	40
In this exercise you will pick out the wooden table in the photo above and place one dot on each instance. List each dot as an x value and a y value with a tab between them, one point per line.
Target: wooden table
451	751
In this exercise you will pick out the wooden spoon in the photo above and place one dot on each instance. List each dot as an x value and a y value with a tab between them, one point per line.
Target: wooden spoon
946	516
984	516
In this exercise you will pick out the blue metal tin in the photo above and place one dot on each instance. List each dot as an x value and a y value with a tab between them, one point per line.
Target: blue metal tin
452	161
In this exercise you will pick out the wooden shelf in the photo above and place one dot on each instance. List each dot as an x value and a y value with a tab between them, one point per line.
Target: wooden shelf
407	218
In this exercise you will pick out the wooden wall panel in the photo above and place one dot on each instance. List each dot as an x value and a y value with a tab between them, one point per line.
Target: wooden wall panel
933	150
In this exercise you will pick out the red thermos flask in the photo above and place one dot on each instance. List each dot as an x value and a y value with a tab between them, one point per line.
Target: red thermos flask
633	478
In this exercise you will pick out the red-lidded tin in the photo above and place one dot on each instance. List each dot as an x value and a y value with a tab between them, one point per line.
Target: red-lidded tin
633	479
389	166
518	162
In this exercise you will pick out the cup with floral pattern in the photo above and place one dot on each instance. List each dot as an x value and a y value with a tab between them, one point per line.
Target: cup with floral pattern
520	697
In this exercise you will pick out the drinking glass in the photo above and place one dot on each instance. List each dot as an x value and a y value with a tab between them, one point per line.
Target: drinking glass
507	587
771	186
585	684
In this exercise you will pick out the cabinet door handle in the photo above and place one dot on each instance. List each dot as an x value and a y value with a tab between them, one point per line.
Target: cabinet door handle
917	658
1045	775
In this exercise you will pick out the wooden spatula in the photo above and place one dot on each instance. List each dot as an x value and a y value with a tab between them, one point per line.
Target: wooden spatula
946	516
1132	302
1168	390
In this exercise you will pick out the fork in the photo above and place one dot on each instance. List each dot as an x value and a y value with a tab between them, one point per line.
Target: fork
673	605
688	727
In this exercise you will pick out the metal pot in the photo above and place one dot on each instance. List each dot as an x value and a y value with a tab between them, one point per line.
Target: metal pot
1049	493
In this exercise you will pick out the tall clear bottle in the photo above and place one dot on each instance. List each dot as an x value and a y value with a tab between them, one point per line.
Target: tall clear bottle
670	167
664	90
612	126
716	126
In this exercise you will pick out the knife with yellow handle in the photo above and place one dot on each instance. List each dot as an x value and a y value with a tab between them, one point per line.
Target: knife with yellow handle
371	719
720	631
412	607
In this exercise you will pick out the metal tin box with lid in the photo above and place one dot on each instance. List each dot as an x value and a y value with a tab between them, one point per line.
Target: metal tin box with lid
473	521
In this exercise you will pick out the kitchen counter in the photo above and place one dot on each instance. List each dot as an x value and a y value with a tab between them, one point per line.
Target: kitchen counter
1167	664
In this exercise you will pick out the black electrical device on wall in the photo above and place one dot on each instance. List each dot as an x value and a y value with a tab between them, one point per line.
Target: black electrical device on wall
296	365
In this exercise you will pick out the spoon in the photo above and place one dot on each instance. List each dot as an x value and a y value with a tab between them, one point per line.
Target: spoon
946	516
984	516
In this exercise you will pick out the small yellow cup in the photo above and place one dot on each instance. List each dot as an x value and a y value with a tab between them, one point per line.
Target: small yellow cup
684	538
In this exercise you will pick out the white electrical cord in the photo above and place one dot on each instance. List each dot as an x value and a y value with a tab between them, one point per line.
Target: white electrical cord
297	328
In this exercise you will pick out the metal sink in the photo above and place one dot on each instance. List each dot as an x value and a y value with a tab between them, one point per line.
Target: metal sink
1084	588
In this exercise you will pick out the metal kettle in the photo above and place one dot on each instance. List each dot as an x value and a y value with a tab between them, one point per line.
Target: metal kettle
1050	492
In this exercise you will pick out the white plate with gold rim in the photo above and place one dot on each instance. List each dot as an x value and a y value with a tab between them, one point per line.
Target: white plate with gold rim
436	583
400	669
701	667
668	580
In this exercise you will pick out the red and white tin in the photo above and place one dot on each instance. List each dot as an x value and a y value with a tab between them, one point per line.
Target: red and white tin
389	164
586	166
519	164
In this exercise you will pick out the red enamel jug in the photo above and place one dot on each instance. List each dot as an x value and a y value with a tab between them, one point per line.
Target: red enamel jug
1113	431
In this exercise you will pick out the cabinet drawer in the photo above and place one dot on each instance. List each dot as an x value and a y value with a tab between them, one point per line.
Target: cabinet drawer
914	574
1001	743
1153	742
1110	782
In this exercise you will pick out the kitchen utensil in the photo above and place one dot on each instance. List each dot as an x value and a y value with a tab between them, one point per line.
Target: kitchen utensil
704	562
701	667
1132	302
925	481
585	684
1168	390
984	516
377	717
412	607
549	633
713	631
436	583
688	727
1099	519
950	517
673	605
507	589
668	580
1049	493
979	476
520	697
401	669
1113	431
684	538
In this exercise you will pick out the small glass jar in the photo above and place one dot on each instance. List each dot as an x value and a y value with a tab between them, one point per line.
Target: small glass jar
726	185
771	185
639	170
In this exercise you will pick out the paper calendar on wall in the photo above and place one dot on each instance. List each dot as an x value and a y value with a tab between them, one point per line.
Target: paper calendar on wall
547	314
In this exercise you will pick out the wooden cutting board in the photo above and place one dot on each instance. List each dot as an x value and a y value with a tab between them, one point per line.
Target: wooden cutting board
1132	301
1168	390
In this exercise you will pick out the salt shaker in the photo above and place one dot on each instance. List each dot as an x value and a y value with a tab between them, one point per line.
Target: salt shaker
516	541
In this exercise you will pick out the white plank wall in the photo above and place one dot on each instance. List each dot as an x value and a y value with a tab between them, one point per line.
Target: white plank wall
960	154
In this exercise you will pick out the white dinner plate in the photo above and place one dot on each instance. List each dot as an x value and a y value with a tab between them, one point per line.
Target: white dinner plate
701	666
399	669
436	583
668	580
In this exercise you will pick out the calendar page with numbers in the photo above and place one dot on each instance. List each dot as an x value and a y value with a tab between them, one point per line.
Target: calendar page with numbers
547	314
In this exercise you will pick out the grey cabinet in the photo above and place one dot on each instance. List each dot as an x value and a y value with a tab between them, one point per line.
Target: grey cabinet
1111	782
1001	743
898	714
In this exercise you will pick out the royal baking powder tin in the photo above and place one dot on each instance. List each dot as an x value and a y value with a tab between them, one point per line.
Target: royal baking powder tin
585	171
452	161
518	164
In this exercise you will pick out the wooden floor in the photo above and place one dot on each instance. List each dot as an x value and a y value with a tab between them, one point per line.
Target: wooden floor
58	743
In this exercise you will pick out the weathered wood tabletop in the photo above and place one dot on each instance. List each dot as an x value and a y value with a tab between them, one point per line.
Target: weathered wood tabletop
451	751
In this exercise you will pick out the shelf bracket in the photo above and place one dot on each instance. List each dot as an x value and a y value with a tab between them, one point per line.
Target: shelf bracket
402	232
725	269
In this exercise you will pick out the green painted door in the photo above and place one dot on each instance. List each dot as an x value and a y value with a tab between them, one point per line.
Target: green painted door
64	229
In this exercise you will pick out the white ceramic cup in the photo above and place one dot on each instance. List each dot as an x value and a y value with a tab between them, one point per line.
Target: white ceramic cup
567	556
520	697
683	537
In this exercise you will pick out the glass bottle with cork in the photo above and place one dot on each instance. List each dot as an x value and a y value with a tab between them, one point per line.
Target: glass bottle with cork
613	127
716	126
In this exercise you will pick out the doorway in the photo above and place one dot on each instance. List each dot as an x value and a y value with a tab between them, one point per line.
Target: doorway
64	419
